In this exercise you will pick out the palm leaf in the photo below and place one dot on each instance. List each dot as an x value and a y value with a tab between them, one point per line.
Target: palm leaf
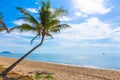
42	2
28	17
48	5
45	5
22	10
24	27
62	26
48	34
45	17
55	30
4	27
34	39
48	20
1	28
59	12
53	23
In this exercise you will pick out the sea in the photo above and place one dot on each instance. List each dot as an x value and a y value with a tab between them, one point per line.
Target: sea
101	60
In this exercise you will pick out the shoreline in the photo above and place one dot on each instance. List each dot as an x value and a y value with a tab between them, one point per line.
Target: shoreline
62	71
84	66
72	65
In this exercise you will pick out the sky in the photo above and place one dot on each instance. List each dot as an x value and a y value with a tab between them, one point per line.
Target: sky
95	27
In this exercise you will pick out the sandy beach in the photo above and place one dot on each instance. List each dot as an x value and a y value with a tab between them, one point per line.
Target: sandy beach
61	72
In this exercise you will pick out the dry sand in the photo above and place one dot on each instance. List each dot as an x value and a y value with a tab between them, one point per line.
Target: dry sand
61	72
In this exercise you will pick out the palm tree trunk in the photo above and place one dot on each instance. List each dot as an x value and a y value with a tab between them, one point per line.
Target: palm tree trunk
4	73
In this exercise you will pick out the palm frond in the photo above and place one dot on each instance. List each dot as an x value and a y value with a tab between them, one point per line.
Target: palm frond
22	10
45	5
34	39
62	26
1	28
48	5
59	12
24	27
45	13
48	34
42	2
49	22
44	16
53	23
55	30
28	17
39	30
4	27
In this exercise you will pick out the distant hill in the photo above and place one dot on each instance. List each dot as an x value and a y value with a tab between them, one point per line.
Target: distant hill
5	52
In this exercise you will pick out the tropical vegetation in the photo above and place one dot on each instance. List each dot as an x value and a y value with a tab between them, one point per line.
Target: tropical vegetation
2	24
46	25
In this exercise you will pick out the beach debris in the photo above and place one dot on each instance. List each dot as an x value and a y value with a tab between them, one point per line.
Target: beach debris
42	72
30	72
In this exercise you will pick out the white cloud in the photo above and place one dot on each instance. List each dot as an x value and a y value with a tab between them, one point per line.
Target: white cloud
91	6
78	14
116	36
16	41
64	18
16	35
33	10
28	33
20	22
92	28
87	33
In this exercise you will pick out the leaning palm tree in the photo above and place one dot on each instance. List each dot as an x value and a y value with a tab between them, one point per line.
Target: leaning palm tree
2	24
48	23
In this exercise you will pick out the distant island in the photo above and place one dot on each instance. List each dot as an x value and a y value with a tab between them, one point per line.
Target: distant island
103	53
6	52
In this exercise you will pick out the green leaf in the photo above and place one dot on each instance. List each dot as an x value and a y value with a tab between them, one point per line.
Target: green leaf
48	20
3	26
48	34
24	27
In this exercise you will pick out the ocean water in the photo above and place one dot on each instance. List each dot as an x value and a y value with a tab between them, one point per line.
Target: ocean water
106	61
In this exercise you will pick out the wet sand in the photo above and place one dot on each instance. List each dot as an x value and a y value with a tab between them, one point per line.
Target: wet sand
60	71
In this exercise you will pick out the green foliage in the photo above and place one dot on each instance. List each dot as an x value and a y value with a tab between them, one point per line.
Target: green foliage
48	20
3	25
49	77
47	24
1	28
44	76
37	76
26	27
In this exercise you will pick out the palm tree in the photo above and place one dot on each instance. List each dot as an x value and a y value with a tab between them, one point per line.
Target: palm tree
2	24
48	23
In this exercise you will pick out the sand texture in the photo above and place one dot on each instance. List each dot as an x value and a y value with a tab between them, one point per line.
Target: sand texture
61	72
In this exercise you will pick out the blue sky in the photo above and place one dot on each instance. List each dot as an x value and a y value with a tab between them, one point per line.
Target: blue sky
95	27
